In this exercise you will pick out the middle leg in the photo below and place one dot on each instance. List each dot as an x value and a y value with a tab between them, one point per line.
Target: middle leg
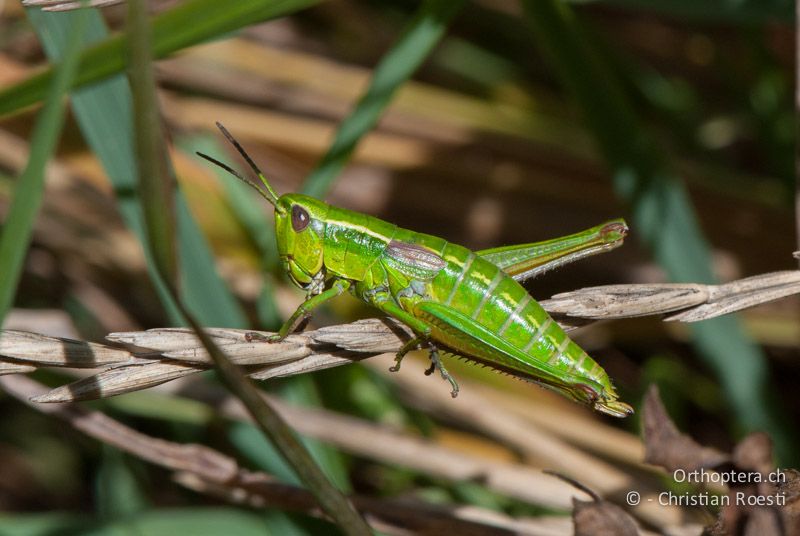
423	330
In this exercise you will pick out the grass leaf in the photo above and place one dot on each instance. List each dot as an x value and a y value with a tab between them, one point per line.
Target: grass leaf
27	198
662	213
397	66
156	182
104	114
186	24
156	176
273	426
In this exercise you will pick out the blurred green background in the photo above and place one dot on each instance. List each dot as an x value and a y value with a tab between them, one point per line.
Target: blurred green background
488	122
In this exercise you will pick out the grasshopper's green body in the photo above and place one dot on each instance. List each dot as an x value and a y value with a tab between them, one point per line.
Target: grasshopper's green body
469	303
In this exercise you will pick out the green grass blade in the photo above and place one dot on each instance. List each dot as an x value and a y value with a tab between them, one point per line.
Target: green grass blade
662	213
156	176
104	114
27	198
331	500
302	391
118	492
204	291
155	180
397	66
186	24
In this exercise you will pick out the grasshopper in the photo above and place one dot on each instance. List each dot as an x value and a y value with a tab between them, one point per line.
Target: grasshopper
469	304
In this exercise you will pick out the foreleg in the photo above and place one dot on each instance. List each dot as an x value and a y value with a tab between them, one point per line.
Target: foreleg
304	311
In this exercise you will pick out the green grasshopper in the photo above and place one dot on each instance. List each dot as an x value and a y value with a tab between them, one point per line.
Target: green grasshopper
469	303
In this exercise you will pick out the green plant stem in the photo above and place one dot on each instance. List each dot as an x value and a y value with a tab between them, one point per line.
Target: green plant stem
331	500
156	183
156	176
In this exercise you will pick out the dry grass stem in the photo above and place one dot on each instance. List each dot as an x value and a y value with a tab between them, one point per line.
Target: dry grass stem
691	302
67	5
537	445
43	351
208	471
385	515
396	448
160	355
13	368
190	457
157	356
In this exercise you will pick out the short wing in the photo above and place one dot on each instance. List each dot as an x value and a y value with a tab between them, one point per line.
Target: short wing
524	261
413	260
469	338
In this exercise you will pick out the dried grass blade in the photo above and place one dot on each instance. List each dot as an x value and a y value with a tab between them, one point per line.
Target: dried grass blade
743	294
311	363
168	339
622	301
43	351
118	381
246	353
13	368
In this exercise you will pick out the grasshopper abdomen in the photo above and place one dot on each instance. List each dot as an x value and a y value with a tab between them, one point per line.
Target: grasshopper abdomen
516	334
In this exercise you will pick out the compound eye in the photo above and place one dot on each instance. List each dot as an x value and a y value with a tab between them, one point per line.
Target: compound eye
300	218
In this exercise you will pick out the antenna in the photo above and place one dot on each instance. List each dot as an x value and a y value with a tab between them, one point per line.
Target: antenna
267	192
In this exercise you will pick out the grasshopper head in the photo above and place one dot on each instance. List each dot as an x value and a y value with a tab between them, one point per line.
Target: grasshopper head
299	223
300	231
